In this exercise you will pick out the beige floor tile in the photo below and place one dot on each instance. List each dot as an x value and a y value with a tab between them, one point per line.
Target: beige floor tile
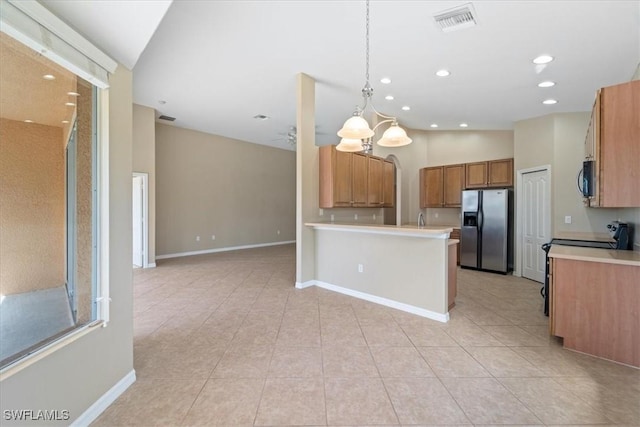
552	403
428	336
554	361
300	335
388	334
452	362
617	398
296	362
197	362
400	362
244	362
423	401
336	334
482	316
470	334
226	402
486	401
152	402
515	336
358	401
504	362
343	362
292	401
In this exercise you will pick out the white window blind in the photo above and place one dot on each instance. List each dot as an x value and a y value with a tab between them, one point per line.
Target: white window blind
34	25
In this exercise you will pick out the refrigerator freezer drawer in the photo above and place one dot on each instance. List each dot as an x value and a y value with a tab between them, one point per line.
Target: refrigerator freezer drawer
469	247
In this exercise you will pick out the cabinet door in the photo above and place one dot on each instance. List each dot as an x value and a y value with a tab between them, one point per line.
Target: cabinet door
455	234
342	179
374	181
359	180
453	185
620	145
388	184
476	175
500	173
431	186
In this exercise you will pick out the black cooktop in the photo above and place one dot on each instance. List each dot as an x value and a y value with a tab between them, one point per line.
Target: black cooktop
583	243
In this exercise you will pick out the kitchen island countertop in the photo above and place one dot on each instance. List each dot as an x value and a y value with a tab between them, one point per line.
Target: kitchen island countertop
609	256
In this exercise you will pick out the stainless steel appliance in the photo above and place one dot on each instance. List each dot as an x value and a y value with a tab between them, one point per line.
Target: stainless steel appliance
486	241
619	232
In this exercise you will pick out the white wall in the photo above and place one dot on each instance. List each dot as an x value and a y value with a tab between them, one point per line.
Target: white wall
77	375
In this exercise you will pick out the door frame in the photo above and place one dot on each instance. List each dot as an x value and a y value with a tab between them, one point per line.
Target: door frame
145	217
517	271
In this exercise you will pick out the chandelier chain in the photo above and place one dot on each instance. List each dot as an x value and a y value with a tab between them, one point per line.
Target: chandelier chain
367	59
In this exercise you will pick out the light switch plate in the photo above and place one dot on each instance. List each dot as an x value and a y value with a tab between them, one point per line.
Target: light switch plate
567	219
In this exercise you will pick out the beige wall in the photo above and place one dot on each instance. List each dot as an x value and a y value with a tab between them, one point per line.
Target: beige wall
77	375
144	161
558	140
211	185
32	217
435	148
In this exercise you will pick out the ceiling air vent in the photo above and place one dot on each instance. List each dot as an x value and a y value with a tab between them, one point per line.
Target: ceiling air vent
457	18
167	118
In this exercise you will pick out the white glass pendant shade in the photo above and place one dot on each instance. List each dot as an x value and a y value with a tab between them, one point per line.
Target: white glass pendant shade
395	136
355	128
350	145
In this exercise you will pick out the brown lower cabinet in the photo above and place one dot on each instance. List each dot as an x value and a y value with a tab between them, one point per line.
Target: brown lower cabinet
455	234
452	271
594	307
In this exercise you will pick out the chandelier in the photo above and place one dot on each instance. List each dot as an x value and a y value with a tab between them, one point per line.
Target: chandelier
355	133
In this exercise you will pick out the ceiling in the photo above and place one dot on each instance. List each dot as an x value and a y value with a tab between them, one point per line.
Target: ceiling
217	64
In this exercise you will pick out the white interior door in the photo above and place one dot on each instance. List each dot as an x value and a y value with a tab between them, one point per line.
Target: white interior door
536	217
137	214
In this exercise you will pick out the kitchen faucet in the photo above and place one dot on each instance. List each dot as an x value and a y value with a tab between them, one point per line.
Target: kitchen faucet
421	219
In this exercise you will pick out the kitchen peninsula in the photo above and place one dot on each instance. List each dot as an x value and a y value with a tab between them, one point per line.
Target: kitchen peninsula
404	267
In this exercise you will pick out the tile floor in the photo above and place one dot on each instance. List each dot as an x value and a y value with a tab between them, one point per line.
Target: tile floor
225	339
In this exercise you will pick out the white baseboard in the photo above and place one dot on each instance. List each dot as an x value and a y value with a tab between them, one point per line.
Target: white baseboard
230	248
444	318
151	265
98	407
302	285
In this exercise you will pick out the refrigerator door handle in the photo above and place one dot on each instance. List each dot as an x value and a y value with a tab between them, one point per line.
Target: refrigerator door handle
480	220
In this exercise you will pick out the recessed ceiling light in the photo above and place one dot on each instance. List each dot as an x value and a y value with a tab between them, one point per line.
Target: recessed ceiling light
73	94
406	108
546	84
549	101
434	125
69	104
389	97
442	73
28	121
65	121
464	125
260	117
543	59
49	77
385	80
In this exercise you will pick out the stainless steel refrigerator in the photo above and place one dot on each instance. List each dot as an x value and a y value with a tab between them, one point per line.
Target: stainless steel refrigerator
486	241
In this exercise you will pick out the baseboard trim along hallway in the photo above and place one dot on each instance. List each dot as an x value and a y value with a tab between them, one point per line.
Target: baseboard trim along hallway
227	249
98	407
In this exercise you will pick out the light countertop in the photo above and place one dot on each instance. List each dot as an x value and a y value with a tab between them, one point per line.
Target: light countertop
453	242
610	256
577	235
430	232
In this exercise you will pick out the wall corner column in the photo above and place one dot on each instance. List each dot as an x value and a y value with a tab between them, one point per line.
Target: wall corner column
306	178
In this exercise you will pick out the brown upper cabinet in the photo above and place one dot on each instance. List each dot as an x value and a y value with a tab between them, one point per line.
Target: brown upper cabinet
492	173
355	180
613	141
441	186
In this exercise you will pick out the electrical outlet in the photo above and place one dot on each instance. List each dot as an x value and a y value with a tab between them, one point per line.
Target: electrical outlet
320	212
355	216
278	232
567	219
213	237
374	217
197	238
332	217
360	268
436	214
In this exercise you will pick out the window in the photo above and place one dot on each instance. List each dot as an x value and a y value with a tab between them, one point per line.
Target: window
53	264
